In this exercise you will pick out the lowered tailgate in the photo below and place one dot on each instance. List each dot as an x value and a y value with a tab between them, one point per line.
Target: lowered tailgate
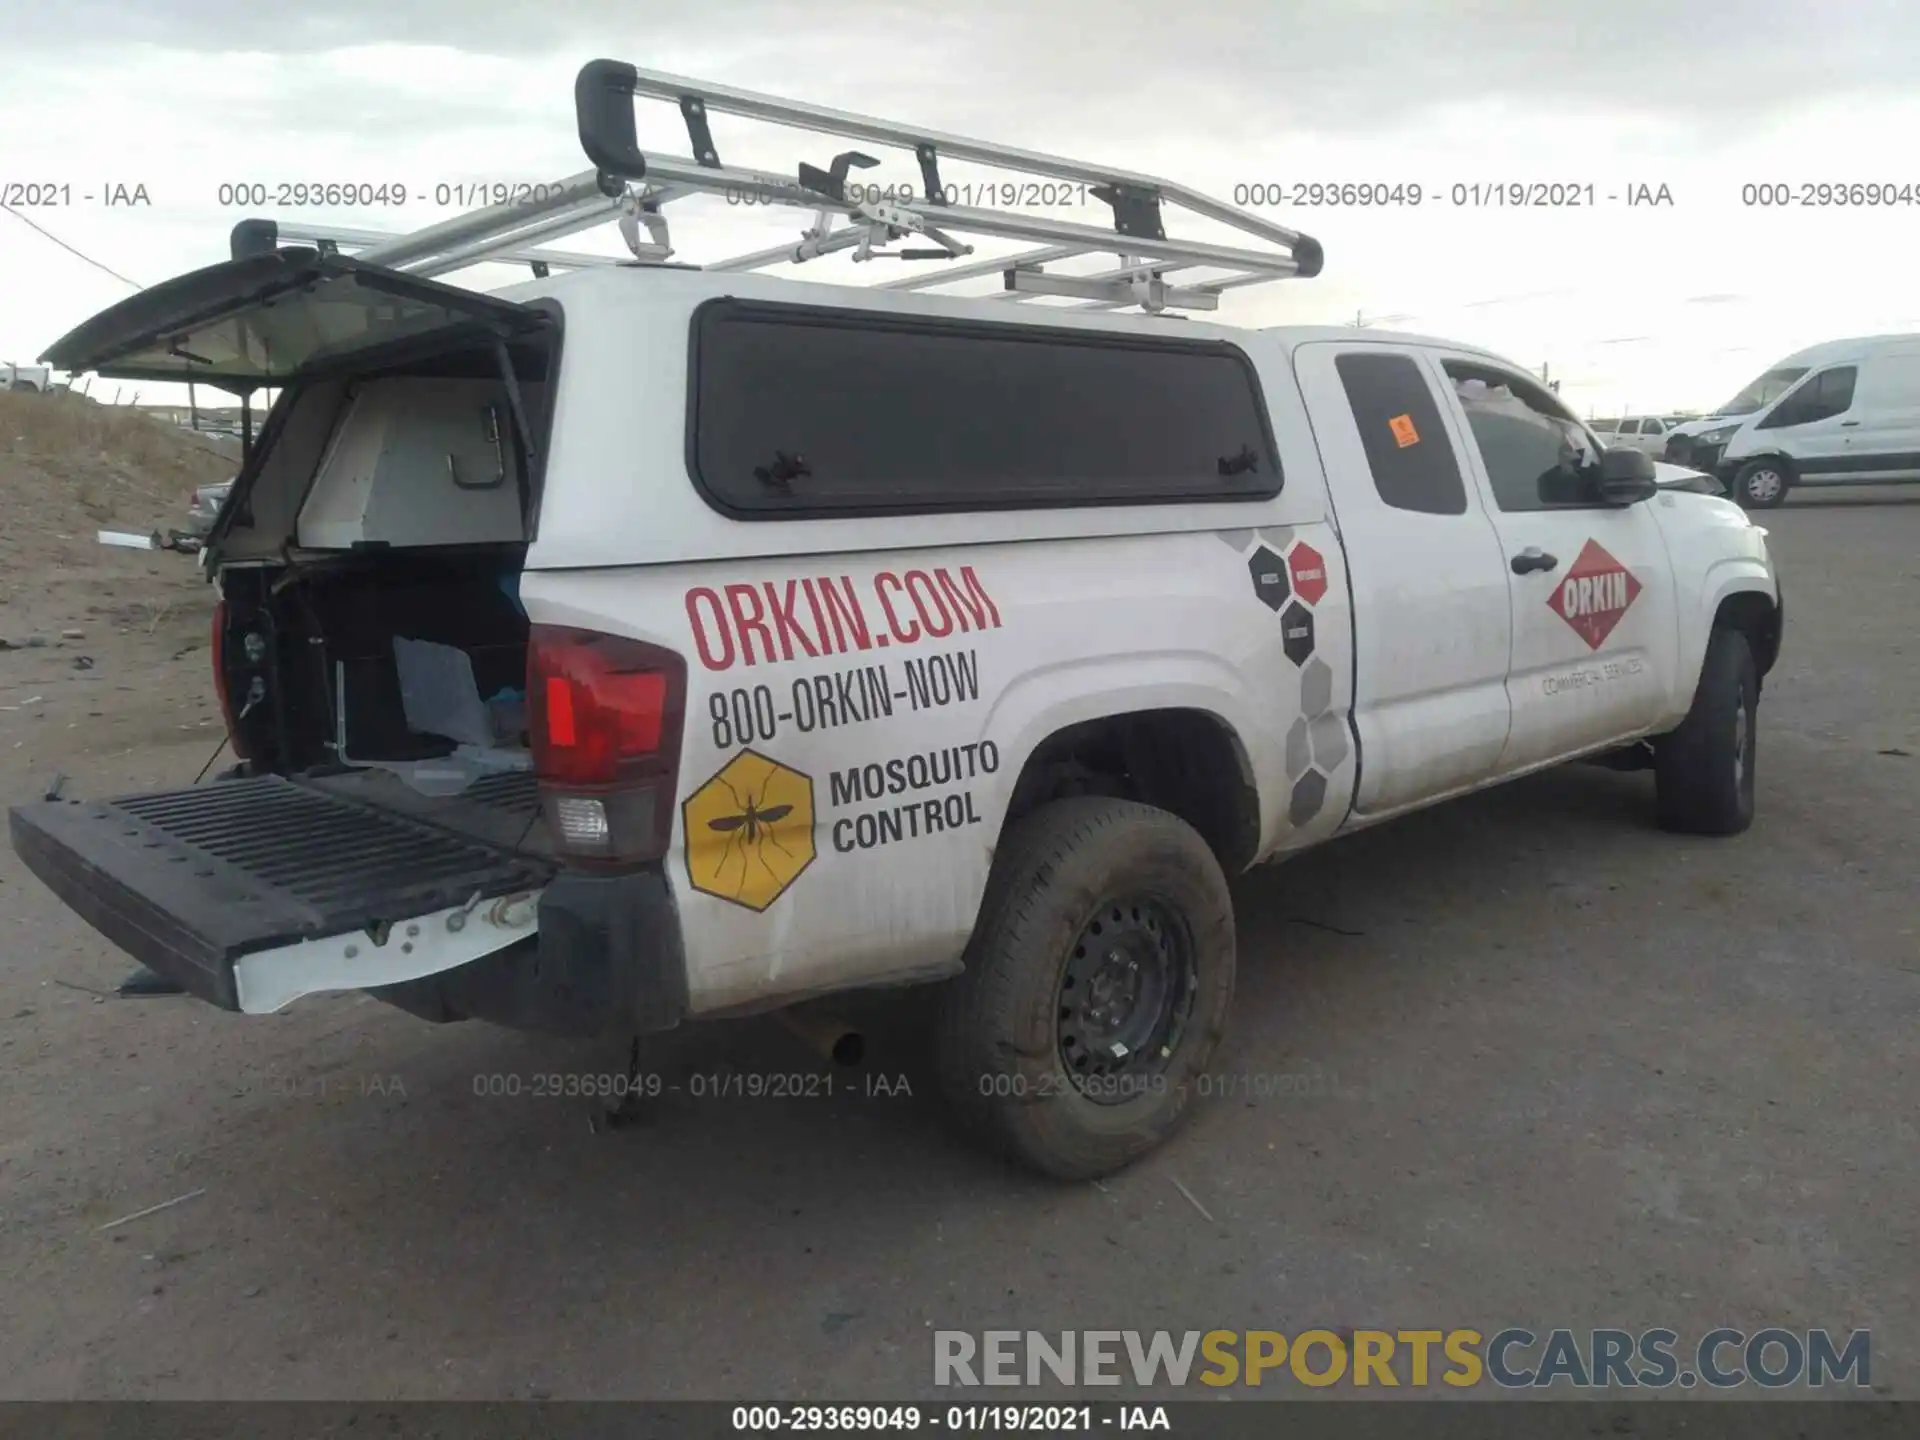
252	892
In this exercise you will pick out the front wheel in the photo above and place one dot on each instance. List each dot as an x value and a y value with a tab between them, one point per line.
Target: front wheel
1096	987
1761	484
1703	771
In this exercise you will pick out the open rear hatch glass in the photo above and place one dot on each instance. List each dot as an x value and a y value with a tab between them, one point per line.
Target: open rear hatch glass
249	891
264	320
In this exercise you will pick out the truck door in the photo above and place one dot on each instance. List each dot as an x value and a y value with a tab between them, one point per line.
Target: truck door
1430	605
1595	629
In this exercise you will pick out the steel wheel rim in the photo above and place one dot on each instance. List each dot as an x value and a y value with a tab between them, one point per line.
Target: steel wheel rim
1126	993
1763	484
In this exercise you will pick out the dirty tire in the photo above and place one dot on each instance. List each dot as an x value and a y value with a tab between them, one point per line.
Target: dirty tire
1704	770
998	1036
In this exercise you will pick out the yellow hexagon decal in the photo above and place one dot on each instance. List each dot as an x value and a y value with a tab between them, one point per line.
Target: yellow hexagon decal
749	830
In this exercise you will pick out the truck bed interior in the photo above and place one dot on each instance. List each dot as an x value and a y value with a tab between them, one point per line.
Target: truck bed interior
380	655
370	652
326	637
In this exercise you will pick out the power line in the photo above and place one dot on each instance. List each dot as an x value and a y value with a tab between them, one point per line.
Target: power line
69	249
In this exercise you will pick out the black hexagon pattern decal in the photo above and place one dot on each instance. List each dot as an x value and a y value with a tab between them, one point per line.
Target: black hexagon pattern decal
1296	628
1317	742
1269	573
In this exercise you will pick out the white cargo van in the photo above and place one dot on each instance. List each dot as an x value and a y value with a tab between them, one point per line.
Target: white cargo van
1843	413
1688	441
649	643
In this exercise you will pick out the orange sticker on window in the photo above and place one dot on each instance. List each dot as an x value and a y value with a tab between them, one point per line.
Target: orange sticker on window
1403	431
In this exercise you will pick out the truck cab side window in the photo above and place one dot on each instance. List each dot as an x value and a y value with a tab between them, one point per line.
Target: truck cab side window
1407	448
1827	394
1538	457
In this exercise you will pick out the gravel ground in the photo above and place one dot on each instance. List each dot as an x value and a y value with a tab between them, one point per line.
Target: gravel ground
1529	1061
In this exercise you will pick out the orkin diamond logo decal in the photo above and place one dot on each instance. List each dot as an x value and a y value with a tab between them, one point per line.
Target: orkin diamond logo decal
1595	594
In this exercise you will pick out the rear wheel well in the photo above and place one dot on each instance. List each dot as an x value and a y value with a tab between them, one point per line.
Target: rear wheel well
1755	616
1188	762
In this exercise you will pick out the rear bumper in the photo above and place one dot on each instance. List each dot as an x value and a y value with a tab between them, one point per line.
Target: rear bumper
608	959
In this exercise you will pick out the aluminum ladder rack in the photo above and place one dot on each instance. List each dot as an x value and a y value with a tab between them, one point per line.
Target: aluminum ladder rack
633	190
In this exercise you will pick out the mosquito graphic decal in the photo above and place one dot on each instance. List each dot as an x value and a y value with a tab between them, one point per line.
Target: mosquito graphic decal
752	829
749	831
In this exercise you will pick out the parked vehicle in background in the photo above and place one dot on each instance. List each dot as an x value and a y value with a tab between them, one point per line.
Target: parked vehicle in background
30	378
205	505
1636	432
1851	418
1698	442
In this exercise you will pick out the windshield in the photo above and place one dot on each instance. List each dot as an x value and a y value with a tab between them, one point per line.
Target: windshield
1764	391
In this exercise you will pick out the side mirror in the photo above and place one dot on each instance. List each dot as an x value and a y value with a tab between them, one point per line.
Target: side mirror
1626	476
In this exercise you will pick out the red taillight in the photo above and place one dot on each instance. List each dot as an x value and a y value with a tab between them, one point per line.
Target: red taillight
221	688
559	729
604	716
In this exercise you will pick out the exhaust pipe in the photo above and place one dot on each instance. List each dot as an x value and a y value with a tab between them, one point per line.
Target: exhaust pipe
829	1037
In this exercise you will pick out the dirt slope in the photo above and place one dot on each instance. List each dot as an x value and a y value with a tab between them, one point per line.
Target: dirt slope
70	467
80	621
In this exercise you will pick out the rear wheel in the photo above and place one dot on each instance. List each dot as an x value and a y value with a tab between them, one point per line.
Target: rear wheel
1096	987
1704	770
1762	484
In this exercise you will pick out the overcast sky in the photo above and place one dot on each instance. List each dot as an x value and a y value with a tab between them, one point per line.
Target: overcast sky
1646	307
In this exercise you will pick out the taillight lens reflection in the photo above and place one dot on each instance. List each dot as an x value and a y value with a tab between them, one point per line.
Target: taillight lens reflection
605	716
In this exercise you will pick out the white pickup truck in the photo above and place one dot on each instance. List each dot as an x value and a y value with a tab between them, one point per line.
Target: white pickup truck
647	643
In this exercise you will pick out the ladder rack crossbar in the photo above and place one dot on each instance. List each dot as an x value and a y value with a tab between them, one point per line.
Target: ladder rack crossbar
689	174
493	222
355	239
976	268
750	104
636	188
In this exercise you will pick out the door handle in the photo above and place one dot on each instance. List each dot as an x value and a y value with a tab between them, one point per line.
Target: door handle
1848	424
1533	558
